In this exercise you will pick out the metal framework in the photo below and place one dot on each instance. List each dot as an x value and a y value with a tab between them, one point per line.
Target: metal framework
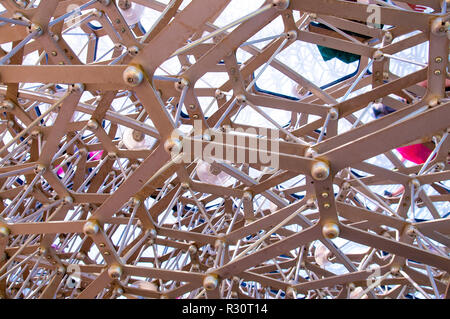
100	199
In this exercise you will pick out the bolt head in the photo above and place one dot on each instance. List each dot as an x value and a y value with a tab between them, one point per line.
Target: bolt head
4	231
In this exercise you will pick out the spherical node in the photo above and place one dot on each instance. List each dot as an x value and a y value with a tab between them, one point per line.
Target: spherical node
241	99
192	249
105	2
173	145
77	88
133	50
210	282
195	268
346	186
310	152
7	105
68	200
133	76
291	35
330	230
320	171
438	27
378	55
61	270
39	169
219	94
91	227
4	231
179	86
115	271
395	270
112	155
281	4
311	203
92	125
388	37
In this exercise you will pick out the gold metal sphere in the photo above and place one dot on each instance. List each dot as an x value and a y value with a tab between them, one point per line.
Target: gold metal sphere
91	227
195	268
133	76
4	231
281	4
320	171
173	145
210	282
92	125
115	271
330	230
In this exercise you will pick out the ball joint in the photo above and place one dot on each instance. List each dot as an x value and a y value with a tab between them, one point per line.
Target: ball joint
210	282
133	76
330	230
281	4
115	271
320	170
91	227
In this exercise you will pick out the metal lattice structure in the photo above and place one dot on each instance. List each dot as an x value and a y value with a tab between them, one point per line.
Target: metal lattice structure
104	194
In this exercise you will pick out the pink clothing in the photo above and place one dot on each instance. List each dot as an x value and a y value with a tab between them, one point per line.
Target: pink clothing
416	153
